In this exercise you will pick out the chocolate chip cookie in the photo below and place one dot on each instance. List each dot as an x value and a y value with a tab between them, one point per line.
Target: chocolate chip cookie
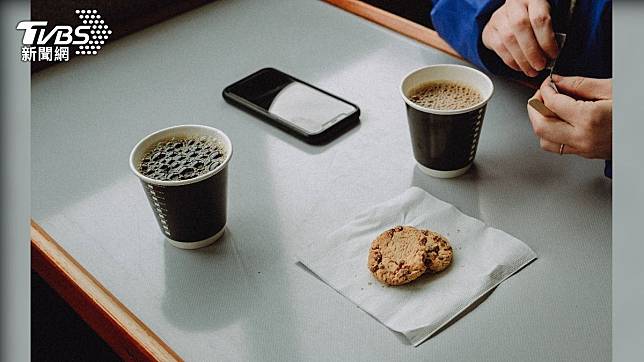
399	255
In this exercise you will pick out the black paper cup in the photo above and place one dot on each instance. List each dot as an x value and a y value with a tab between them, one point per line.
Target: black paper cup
191	213
445	141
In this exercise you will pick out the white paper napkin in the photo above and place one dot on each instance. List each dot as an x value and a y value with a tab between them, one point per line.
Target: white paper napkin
483	258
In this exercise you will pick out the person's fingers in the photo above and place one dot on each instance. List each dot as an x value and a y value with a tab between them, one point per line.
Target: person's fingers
505	54
567	108
539	12
519	20
584	88
494	43
494	40
551	129
488	35
590	120
512	45
556	147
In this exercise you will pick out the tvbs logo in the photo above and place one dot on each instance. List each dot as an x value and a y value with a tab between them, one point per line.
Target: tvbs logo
36	34
43	44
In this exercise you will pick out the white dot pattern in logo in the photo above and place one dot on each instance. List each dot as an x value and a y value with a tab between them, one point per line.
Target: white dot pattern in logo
99	31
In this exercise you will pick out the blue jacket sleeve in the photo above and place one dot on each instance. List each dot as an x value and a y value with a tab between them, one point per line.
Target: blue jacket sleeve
461	23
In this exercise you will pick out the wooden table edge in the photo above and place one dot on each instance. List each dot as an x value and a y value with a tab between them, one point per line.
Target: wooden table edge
130	338
396	23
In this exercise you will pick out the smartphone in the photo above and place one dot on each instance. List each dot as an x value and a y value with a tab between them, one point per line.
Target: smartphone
299	108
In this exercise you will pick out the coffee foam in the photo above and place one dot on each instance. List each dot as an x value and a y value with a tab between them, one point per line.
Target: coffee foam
179	158
445	95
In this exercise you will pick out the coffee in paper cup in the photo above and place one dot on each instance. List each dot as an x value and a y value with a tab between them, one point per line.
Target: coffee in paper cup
445	131
184	173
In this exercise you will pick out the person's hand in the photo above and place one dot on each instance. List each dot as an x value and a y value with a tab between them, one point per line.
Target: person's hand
520	33
584	122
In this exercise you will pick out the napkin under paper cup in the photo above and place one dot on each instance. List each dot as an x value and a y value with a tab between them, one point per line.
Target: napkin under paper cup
483	258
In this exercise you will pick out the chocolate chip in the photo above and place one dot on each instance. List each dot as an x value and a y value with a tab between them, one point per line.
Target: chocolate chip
427	261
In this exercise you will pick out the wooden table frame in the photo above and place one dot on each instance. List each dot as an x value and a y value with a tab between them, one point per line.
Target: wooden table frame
126	334
396	23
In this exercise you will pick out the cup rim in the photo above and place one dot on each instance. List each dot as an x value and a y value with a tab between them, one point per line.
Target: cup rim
446	111
223	137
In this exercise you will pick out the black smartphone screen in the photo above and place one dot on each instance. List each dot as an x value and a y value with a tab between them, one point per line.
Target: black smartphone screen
300	106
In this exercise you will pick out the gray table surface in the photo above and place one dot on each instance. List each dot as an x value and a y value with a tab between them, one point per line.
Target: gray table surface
244	298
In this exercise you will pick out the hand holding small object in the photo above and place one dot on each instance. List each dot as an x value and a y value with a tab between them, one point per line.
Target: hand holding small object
581	119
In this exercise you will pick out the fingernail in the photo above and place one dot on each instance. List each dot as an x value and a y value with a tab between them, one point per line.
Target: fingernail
556	78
